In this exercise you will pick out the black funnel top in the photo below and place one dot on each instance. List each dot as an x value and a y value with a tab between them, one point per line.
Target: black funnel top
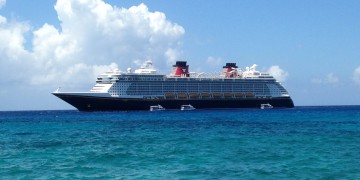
180	64
230	65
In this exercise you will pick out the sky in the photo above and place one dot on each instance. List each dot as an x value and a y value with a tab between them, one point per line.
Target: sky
312	47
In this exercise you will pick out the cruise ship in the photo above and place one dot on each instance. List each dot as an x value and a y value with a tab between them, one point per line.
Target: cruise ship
145	87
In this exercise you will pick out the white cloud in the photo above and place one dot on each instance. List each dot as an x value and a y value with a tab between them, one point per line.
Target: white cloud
2	3
330	78
279	74
356	75
15	60
214	61
172	55
94	36
2	20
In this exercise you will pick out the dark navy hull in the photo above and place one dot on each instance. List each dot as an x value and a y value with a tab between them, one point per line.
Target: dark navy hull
90	103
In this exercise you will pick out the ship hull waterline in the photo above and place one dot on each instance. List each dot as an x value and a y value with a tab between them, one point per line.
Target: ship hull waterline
93	103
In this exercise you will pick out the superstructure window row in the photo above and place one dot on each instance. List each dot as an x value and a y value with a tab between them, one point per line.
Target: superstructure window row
148	88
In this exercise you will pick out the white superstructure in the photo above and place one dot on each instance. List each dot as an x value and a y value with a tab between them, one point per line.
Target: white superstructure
146	82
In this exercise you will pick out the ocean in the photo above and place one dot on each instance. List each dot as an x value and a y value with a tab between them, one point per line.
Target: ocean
298	143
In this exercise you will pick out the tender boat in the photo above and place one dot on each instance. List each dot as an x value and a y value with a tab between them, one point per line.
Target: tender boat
187	107
266	106
157	108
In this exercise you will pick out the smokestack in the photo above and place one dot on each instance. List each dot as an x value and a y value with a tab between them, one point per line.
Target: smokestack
180	69
230	70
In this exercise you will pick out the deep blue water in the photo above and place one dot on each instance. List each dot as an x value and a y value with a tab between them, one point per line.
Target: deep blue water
298	143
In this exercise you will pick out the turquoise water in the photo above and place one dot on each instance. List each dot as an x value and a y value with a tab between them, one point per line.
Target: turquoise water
298	143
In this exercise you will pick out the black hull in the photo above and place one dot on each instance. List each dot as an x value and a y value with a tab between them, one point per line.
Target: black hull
90	103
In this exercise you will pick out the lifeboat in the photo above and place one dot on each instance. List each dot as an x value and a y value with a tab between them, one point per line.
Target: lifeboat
228	95
217	95
249	94
170	95
239	95
182	96
194	95
205	95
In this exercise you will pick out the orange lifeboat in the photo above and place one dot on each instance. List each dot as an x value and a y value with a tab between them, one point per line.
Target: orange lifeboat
205	95
228	95
170	95
182	96
249	94
194	95
217	95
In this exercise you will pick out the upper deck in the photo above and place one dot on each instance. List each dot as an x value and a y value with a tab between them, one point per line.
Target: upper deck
146	81
147	73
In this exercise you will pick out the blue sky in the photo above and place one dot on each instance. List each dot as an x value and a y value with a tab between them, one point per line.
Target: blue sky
315	45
